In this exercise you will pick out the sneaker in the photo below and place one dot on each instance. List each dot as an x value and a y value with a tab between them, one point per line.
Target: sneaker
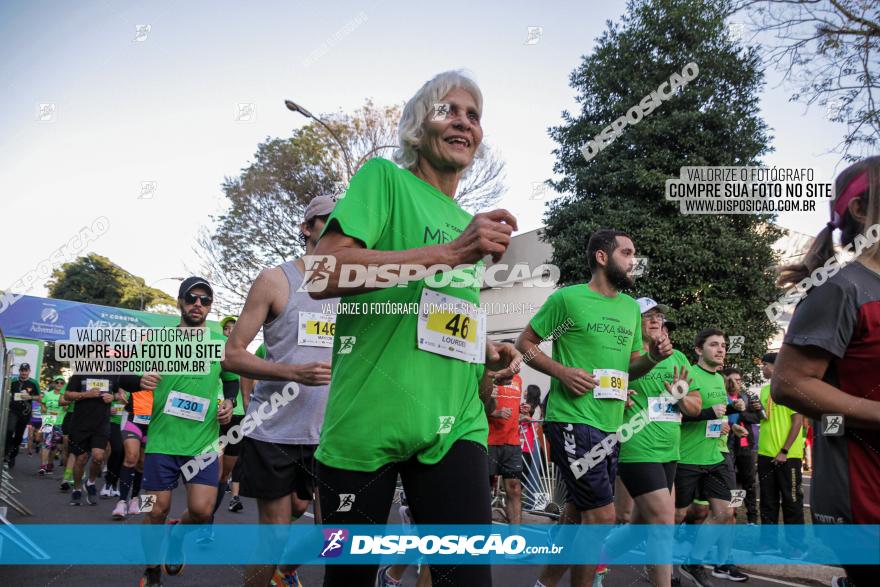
106	492
383	580
120	510
282	579
91	494
729	572
206	536
697	574
152	577
75	497
837	581
42	470
601	575
766	549
175	552
133	508
794	553
115	492
235	504
65	485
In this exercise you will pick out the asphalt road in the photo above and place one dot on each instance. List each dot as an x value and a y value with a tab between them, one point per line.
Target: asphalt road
50	506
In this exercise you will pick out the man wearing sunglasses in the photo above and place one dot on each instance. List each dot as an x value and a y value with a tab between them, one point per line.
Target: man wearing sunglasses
185	423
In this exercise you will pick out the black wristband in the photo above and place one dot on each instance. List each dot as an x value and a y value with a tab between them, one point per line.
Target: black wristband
784	451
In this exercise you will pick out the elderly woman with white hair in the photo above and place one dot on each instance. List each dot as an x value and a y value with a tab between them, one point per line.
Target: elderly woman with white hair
411	362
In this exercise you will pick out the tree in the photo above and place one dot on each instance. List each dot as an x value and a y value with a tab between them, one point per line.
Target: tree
93	279
714	270
267	200
829	51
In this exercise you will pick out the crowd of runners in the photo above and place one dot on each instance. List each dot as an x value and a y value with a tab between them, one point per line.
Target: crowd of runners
427	400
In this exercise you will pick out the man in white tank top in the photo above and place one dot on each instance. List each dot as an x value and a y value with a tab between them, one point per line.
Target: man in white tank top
277	454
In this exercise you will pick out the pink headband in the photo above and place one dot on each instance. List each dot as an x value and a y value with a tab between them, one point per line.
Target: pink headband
854	189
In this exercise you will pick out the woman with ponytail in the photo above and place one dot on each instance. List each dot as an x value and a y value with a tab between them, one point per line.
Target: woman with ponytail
830	359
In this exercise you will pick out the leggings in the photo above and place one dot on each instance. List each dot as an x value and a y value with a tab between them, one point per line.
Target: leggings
453	491
117	455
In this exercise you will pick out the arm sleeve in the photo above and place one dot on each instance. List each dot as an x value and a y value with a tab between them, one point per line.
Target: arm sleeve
230	390
706	414
550	315
825	318
364	211
637	337
130	383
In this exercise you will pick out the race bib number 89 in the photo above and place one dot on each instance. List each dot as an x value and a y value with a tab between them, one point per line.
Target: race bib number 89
612	384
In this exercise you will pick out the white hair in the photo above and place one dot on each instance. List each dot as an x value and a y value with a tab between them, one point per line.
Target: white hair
410	128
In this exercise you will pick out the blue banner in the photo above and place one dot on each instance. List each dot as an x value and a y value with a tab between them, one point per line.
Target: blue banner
50	320
141	544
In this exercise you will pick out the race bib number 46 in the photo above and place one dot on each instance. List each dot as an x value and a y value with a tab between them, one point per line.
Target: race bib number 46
184	405
316	329
451	327
612	384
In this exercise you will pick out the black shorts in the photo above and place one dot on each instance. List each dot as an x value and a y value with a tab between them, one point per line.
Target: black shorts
506	460
703	482
83	441
642	478
232	450
65	423
594	486
269	470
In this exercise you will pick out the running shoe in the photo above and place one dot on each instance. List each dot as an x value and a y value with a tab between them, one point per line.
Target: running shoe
838	581
65	485
120	510
75	497
697	574
91	494
115	491
729	572
106	492
206	535
767	549
235	504
282	579
601	575
152	577
175	552
133	508
383	580
42	470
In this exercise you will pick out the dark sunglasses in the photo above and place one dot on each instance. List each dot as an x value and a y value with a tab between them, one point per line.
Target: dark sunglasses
190	298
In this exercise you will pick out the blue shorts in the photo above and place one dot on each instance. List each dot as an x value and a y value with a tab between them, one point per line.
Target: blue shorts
594	486
161	472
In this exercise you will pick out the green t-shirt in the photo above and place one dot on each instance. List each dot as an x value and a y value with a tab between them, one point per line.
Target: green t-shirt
658	441
389	399
53	415
589	331
696	447
775	429
175	435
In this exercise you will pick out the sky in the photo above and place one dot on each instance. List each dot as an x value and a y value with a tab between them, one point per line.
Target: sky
144	119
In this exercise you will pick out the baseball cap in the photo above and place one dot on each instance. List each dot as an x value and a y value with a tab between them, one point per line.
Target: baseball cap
191	282
228	319
58	378
319	206
647	304
24	366
769	358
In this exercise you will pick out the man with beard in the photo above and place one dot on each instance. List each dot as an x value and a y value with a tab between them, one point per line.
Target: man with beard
597	349
185	423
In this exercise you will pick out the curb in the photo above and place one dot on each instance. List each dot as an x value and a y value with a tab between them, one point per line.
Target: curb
812	574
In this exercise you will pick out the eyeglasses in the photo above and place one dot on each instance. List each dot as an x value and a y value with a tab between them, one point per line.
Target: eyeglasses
655	316
190	298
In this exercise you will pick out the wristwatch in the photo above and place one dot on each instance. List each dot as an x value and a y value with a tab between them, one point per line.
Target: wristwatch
784	451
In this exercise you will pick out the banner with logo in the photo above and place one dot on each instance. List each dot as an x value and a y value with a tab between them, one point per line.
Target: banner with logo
26	351
496	544
47	319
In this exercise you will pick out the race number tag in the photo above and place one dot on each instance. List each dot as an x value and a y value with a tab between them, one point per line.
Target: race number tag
103	385
713	428
451	327
184	405
22	396
116	409
612	384
141	419
737	497
316	329
663	409
46	429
